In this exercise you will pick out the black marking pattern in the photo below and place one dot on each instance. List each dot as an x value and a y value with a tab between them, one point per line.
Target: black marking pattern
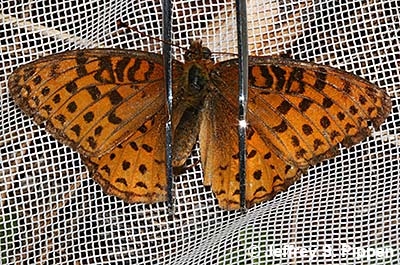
257	174
282	127
280	76
320	79
98	130
88	117
60	118
122	181
121	65
45	91
126	165
142	169
147	148
295	75
252	154
134	146
305	104
115	97
105	73
94	92
57	98
81	60
284	107
132	70
92	142
71	107
114	119
37	80
71	87
76	129
307	129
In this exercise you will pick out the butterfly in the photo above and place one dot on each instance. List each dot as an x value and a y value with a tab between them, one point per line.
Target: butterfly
109	105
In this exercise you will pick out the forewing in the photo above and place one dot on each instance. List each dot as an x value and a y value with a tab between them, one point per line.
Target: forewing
304	110
109	105
298	113
91	100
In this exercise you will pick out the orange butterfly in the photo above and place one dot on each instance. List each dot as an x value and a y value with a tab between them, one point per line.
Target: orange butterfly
109	105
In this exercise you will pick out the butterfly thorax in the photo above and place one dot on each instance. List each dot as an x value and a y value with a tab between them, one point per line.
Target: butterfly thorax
195	84
195	81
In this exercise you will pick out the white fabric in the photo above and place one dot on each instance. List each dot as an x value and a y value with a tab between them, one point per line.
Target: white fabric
347	208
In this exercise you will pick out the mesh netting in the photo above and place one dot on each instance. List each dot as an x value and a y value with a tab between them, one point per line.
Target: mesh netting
345	210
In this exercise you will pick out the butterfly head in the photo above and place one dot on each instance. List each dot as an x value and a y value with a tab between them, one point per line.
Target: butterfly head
197	52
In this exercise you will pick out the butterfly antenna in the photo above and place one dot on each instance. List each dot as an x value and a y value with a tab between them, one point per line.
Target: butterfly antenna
121	24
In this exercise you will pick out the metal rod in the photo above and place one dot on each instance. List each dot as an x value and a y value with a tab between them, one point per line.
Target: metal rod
167	54
241	18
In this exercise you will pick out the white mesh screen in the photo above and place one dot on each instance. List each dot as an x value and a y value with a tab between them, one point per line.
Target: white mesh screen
345	209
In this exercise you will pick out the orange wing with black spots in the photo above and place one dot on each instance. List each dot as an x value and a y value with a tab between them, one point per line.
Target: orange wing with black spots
298	113
109	105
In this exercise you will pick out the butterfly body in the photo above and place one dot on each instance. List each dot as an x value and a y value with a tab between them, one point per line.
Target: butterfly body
195	87
109	105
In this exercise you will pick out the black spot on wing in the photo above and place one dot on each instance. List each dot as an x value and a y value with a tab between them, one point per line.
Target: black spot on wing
341	116
71	107
114	119
320	81
327	103
284	107
120	68
122	181
295	75
126	165
147	148
47	108
60	118
76	129
295	141
257	174
71	87
105	73
57	98
280	77
282	127
307	129
132	70
94	92
142	169
141	185
252	154
37	80
45	91
142	129
81	61
106	169
305	104
115	97
88	117
92	142
325	122
98	130
134	146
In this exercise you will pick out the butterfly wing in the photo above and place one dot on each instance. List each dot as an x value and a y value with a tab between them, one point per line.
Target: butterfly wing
267	174
107	104
298	113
